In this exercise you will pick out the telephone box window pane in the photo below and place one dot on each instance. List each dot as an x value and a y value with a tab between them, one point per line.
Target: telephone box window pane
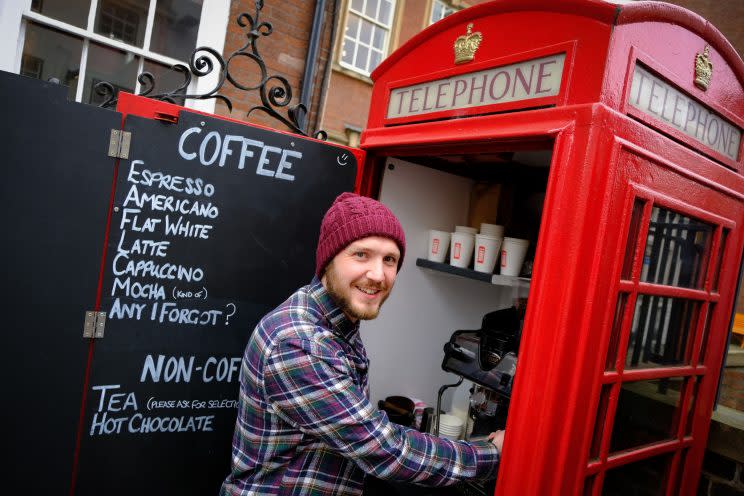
630	247
647	412
166	79
73	12
706	332
122	20
106	64
677	250
717	270
617	325
599	423
646	477
662	332
48	53
691	406
175	27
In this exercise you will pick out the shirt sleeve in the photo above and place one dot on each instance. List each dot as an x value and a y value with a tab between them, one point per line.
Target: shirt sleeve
310	386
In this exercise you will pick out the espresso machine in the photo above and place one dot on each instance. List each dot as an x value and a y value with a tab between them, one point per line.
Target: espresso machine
487	357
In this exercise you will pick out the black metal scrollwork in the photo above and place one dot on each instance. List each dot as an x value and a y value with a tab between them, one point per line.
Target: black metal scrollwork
275	91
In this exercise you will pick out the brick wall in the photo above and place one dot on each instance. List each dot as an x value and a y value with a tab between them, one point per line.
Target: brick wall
726	15
284	53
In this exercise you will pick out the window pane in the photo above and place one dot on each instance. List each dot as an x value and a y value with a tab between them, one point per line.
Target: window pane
630	247
691	406
599	423
48	53
378	40
647	478
662	331
371	8
365	35
361	57
73	12
706	333
717	270
357	5
175	27
347	55
677	250
166	79
647	412
114	66
385	10
122	20
617	325
352	26
374	60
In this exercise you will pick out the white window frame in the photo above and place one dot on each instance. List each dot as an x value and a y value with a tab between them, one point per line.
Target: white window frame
386	44
16	14
445	7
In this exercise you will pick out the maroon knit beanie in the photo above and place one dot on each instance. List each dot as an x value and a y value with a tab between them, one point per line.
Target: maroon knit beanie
353	217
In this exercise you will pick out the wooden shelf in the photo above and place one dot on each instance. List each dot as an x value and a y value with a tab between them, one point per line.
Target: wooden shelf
496	279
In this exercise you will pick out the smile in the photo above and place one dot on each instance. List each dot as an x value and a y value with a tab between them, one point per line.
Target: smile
368	291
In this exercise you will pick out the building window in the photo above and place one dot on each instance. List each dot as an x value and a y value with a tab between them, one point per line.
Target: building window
367	34
82	42
440	10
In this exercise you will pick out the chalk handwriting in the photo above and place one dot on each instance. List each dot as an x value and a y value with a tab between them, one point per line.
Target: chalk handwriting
163	368
188	185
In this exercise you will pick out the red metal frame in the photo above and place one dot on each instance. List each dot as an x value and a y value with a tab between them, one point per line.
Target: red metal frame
606	156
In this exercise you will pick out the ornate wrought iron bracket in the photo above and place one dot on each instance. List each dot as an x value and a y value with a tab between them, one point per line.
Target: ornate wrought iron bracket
274	91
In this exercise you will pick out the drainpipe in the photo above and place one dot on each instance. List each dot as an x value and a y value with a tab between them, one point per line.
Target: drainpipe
312	54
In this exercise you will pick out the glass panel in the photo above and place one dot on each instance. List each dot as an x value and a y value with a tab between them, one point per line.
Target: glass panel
717	271
691	406
175	27
643	478
106	64
48	53
589	485
122	20
436	12
385	9
617	325
365	35
166	79
73	12
378	40
661	332
677	250
347	55
599	423
352	26
357	5
706	332
374	60
371	8
630	247
647	412
361	57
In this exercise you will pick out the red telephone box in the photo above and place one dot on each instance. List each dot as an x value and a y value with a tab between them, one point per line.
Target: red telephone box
639	109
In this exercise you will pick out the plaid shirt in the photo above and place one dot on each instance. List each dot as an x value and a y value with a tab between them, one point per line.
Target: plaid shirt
305	423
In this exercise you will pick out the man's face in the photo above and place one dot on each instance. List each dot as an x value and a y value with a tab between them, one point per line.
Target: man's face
362	275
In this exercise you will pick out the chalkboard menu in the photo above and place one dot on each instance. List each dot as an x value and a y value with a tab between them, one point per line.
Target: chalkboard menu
214	223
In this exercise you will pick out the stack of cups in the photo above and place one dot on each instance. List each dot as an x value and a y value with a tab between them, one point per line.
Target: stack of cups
450	426
487	246
461	246
438	243
513	251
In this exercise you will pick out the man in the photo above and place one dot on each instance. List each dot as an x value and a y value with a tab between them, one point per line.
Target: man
305	423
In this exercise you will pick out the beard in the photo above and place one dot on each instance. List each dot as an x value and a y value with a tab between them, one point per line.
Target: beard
341	295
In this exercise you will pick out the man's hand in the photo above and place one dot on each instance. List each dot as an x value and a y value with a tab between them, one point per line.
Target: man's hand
497	439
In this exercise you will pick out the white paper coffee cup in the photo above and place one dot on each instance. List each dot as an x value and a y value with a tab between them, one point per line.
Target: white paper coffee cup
438	244
492	230
513	251
487	250
466	229
461	249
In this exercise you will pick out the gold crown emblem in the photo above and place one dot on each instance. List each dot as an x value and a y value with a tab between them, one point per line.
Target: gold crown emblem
466	45
703	69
